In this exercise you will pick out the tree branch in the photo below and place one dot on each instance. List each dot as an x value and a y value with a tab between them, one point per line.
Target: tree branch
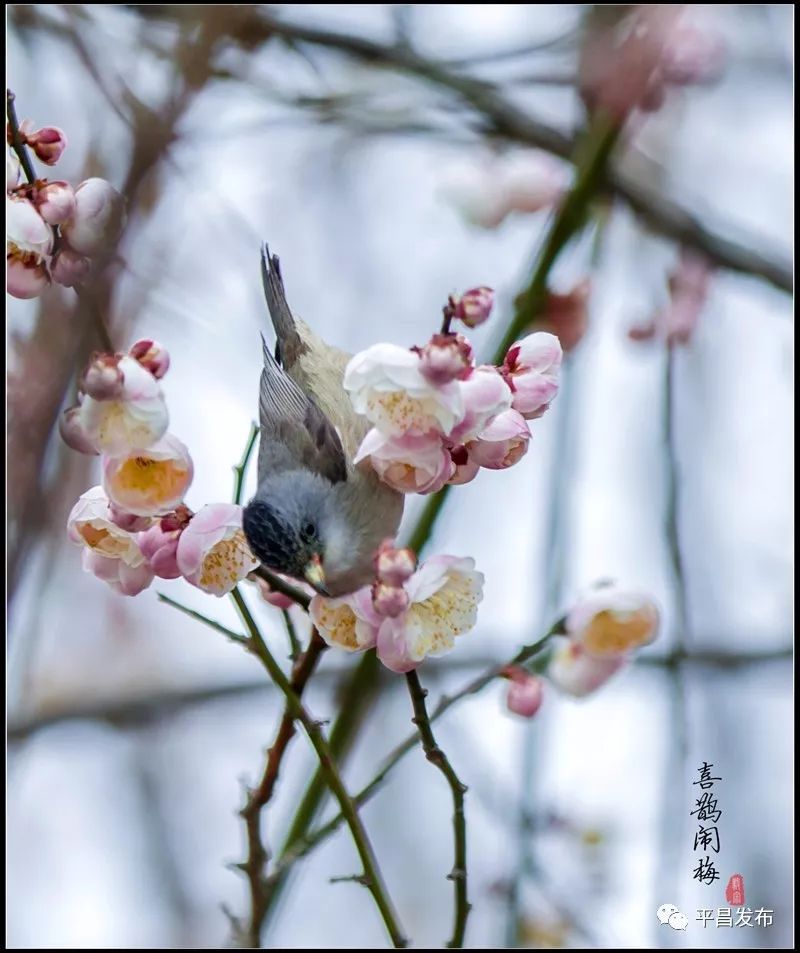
372	877
437	757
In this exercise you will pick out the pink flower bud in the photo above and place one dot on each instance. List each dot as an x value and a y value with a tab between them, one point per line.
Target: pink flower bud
503	443
389	601
25	277
466	468
152	356
68	268
277	599
474	306
532	367
525	693
394	566
55	202
130	522
445	358
48	143
72	432
159	547
103	378
99	215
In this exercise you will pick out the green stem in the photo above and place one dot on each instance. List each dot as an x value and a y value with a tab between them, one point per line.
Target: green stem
372	878
240	470
305	843
228	633
294	643
437	757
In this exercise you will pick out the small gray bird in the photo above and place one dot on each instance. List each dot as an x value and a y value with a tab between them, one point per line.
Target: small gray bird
315	516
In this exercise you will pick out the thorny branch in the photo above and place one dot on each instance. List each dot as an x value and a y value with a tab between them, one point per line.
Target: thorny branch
437	757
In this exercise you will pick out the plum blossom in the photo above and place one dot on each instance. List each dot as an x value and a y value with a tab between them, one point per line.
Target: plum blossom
149	482
212	550
502	443
98	219
349	622
410	464
485	394
48	143
394	566
525	692
532	368
443	603
159	543
110	552
525	182
152	356
68	268
574	672
72	432
445	358
466	469
123	578
102	378
386	384
689	285
55	202
134	420
611	622
29	240
474	306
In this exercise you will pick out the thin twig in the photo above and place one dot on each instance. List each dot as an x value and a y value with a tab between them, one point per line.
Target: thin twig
304	844
373	879
437	757
228	633
239	471
291	632
17	142
259	796
284	588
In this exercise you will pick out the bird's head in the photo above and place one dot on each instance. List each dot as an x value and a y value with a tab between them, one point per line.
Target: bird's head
288	525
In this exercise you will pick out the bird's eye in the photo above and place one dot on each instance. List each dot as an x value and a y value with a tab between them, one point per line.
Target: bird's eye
308	531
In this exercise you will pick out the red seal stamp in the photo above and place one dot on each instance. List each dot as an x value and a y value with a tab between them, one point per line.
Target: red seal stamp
734	892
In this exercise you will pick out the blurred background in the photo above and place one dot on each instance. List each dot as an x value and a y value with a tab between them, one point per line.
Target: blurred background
133	728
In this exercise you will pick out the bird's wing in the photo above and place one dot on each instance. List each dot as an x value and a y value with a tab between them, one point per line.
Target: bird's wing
290	344
294	431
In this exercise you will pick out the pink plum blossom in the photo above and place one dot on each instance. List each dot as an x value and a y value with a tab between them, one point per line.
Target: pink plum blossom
443	603
349	622
159	543
466	469
68	268
531	368
689	285
474	306
410	464
98	219
102	378
394	566
123	578
212	551
90	524
484	395
152	356
610	622
525	692
29	240
133	421
387	385
575	672
389	601
445	358
72	431
55	202
149	482
48	143
503	443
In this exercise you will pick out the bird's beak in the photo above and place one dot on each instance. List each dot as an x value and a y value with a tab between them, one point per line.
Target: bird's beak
315	574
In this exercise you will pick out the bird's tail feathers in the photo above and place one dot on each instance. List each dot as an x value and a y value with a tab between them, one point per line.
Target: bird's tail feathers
290	344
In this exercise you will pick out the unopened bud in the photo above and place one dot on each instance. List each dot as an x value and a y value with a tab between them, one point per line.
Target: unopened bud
474	306
445	358
151	355
389	601
103	378
73	434
394	566
48	143
55	202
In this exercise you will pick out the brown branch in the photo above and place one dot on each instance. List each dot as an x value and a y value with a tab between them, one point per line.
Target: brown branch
259	796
